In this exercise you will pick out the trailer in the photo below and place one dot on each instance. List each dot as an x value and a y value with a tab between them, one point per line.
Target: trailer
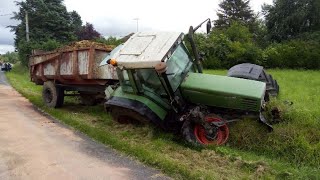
73	68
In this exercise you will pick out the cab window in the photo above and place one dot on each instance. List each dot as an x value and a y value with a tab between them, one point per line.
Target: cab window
178	64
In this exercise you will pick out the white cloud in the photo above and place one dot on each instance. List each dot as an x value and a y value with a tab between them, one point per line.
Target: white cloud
6	48
116	17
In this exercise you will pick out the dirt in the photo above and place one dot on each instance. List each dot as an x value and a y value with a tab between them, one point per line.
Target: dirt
85	44
33	146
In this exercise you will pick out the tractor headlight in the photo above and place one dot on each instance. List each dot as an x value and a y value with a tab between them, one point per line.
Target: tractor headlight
113	62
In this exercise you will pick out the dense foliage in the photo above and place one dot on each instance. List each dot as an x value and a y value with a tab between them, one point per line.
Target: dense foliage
11	57
110	41
234	10
50	26
288	45
286	19
87	32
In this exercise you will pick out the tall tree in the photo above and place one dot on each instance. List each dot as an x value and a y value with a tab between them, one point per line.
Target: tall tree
234	10
87	32
49	20
287	19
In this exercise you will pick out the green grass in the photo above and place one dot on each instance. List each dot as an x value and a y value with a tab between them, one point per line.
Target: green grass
288	152
297	138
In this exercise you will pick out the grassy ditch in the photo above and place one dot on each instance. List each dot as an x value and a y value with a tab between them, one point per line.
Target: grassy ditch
168	152
297	137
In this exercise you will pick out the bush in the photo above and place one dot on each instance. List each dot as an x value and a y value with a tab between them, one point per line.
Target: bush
25	48
229	47
11	57
296	54
234	45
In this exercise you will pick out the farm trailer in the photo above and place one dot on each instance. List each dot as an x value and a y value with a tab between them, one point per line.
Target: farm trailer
72	69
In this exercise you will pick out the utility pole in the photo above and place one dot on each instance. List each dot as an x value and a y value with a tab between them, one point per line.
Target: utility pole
137	19
27	26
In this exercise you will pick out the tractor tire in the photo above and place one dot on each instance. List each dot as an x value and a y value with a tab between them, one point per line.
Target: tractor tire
52	95
190	132
257	73
127	116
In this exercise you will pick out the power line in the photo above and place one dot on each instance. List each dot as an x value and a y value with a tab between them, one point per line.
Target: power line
6	14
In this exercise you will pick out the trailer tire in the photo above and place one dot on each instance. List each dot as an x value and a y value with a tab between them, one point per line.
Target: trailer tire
52	95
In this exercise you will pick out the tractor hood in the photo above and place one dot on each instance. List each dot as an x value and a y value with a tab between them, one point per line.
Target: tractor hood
222	91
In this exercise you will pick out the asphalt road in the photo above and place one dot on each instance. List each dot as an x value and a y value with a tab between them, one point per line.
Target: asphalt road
33	146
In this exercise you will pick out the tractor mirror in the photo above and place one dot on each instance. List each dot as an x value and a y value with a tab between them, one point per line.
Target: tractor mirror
209	26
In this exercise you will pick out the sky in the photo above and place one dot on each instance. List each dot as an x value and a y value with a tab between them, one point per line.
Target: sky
118	17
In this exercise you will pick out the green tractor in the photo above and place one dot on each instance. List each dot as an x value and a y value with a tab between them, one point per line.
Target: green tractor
160	82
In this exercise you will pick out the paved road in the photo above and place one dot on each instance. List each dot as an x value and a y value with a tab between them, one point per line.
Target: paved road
33	146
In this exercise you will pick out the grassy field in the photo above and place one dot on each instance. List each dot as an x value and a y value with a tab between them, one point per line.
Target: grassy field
291	151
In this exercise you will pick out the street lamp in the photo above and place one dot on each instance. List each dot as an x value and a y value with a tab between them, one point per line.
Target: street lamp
137	19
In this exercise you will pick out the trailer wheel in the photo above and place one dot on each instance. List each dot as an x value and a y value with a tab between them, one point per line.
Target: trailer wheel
127	116
196	134
52	95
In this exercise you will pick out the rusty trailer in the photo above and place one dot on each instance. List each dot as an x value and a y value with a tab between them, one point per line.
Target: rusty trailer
72	69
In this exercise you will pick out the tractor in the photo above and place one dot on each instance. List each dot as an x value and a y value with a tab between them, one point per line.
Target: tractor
161	82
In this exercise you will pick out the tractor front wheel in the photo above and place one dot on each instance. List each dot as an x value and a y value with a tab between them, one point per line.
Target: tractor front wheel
127	116
197	135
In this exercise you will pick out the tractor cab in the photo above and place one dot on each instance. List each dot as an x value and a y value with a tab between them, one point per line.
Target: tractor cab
138	59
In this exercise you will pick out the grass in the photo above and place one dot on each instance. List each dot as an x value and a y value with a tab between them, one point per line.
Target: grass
297	138
285	153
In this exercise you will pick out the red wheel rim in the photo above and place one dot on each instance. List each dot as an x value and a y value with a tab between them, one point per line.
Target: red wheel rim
221	136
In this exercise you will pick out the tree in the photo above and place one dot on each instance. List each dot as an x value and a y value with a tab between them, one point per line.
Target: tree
87	32
48	20
110	41
11	57
234	10
287	19
226	47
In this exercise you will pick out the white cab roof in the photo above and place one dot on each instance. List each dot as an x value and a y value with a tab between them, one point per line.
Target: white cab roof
146	49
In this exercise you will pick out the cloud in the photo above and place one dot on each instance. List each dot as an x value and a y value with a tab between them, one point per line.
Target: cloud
6	48
6	37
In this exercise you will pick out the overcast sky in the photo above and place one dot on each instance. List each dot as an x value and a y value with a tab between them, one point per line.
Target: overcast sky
116	17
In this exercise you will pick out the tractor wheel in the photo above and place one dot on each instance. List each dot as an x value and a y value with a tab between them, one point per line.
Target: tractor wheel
127	116
257	73
196	134
52	95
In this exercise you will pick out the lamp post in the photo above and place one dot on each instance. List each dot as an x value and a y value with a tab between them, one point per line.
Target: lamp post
137	19
27	26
